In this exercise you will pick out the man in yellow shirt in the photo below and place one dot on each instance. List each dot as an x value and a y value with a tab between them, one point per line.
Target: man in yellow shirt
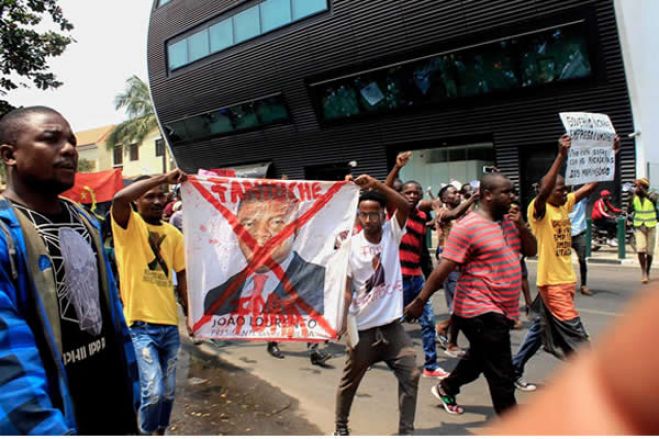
560	329
149	252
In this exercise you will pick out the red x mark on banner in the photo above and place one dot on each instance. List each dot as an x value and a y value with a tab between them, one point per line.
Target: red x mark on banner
262	255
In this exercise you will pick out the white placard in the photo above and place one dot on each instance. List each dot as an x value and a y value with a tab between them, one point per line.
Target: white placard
591	157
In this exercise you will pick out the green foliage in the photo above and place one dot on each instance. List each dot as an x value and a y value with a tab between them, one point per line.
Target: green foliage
24	51
136	102
85	165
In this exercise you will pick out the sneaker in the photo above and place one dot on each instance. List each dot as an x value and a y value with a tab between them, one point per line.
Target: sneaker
341	431
438	373
448	401
318	358
455	352
524	386
273	349
441	340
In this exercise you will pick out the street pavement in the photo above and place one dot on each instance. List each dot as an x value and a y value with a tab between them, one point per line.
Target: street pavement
375	410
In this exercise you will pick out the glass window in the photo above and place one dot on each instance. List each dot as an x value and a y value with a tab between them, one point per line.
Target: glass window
220	122
198	46
244	117
178	54
197	127
271	110
246	24
221	35
274	14
163	2
134	152
340	102
118	155
160	147
304	8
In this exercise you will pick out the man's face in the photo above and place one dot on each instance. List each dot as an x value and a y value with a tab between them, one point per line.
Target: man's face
641	190
412	193
558	196
44	155
264	220
371	216
451	197
501	197
151	205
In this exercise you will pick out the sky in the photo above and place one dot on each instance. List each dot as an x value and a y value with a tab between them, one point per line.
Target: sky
110	47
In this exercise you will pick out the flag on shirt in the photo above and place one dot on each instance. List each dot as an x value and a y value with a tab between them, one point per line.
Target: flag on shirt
95	187
265	258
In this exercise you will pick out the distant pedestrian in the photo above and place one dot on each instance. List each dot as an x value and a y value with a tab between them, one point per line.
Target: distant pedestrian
578	221
644	212
486	244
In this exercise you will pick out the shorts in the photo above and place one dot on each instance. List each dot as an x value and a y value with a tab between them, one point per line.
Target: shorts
645	239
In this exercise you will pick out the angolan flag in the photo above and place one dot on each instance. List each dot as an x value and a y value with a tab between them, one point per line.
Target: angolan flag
265	258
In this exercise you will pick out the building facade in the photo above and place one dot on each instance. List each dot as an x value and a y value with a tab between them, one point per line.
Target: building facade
320	88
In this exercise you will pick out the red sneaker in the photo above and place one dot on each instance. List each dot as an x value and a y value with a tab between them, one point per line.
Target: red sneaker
438	373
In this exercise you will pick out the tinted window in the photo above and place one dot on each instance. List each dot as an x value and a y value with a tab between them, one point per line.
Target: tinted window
274	14
246	24
271	110
244	117
178	54
221	35
198	46
304	8
220	122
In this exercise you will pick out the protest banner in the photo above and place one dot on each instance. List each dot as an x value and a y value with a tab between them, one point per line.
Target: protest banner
264	257
591	157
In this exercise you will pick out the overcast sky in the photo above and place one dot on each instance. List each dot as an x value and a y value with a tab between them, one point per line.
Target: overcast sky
110	47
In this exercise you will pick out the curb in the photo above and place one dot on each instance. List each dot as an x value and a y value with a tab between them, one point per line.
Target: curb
628	262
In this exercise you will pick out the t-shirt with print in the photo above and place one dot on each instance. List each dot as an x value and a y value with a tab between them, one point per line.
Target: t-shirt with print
554	235
376	277
488	253
91	354
147	257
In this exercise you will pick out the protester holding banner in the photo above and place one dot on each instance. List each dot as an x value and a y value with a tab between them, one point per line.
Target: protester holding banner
548	214
149	252
486	244
411	250
644	211
374	298
67	364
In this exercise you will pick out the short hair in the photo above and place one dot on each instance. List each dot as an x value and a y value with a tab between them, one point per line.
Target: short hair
412	182
372	195
462	188
443	190
489	181
12	122
268	192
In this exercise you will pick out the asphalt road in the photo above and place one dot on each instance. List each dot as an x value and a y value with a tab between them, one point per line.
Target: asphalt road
375	410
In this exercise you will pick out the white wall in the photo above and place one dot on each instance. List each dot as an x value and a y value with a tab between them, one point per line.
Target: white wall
638	27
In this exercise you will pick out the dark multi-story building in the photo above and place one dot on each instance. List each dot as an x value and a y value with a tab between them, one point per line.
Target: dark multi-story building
309	87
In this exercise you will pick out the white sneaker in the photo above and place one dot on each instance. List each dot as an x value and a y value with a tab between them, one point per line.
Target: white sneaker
524	386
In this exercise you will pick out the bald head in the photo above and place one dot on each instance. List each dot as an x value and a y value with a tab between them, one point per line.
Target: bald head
491	181
14	122
496	194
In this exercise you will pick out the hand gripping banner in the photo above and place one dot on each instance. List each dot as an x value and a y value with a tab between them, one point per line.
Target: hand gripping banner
264	257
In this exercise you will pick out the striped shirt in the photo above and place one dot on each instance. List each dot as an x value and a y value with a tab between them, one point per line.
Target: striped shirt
490	272
410	246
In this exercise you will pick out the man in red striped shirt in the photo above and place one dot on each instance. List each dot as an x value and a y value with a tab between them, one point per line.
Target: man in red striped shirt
411	248
486	244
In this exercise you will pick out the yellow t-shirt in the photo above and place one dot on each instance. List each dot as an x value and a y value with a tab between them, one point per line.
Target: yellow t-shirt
554	235
146	291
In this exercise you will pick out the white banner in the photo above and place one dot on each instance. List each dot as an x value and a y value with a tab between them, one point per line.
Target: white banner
264	257
591	157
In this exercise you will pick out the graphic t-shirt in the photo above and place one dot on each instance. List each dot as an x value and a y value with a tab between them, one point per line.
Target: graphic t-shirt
91	354
490	272
147	257
553	233
376	277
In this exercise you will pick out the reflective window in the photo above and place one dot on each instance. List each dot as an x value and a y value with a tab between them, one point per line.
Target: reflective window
262	17
246	25
178	54
221	35
163	2
304	8
534	59
229	120
198	46
274	14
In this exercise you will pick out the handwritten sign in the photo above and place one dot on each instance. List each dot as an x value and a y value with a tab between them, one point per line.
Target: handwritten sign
591	157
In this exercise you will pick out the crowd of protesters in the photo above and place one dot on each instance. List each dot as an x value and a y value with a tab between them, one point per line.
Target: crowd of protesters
71	342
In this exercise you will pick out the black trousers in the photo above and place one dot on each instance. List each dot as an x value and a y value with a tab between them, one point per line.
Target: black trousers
579	246
489	354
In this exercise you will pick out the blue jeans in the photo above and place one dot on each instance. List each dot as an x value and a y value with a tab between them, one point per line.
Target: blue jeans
450	283
411	288
532	342
156	347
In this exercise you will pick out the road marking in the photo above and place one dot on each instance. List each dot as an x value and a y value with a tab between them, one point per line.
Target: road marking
598	312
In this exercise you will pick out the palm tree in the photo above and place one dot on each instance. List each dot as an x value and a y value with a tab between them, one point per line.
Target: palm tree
136	102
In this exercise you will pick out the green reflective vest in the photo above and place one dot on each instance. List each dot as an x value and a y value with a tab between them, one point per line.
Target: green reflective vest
644	212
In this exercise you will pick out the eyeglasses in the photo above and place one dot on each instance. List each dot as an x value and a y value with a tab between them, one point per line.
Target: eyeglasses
370	215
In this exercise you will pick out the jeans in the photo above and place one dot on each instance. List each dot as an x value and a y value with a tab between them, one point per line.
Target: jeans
450	284
579	246
532	342
156	347
489	354
411	288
